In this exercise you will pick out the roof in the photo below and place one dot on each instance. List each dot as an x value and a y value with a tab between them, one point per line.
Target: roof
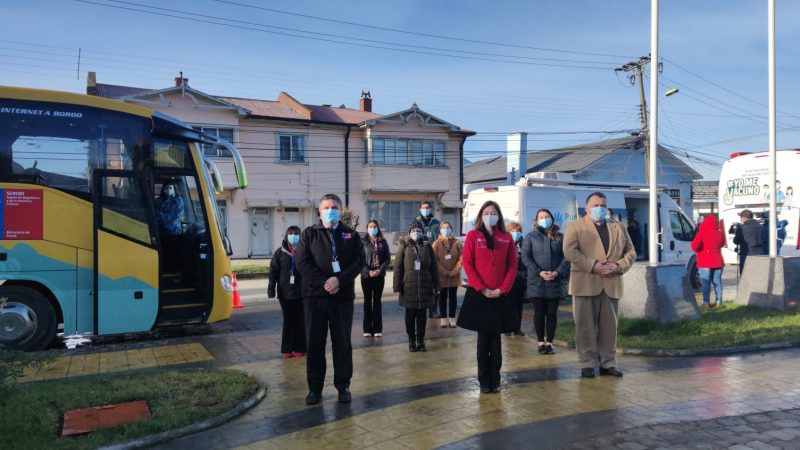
116	91
567	159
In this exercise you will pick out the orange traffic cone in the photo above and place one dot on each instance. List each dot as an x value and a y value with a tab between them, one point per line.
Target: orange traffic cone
237	299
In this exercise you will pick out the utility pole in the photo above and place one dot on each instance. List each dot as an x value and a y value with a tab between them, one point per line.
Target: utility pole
638	68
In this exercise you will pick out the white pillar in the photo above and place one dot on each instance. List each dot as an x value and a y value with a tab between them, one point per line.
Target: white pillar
516	156
773	198
653	228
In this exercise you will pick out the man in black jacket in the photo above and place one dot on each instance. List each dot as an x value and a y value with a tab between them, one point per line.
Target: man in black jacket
329	257
749	236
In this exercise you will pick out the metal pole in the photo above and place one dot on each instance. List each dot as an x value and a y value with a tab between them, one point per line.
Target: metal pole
773	210
652	235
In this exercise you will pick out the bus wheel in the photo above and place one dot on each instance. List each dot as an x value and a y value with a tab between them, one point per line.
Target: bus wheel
27	319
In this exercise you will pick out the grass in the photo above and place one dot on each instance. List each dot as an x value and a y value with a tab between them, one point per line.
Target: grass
729	326
30	414
239	269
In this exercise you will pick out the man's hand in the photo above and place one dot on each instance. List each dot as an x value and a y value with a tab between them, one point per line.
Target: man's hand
331	285
374	273
607	269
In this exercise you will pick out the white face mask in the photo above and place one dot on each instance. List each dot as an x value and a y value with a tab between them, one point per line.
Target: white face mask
490	220
414	235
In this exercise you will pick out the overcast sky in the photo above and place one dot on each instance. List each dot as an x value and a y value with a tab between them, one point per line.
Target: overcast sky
552	73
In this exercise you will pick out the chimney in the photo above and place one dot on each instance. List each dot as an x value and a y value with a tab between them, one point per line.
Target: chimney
516	156
91	83
181	81
365	104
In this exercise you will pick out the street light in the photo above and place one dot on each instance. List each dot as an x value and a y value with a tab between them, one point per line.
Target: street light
671	92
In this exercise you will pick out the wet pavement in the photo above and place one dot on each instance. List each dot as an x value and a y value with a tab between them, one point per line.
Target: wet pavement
431	400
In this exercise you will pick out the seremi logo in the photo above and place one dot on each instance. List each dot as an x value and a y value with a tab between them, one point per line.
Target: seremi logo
21	214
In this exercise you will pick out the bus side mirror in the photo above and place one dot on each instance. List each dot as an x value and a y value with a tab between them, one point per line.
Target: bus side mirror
226	242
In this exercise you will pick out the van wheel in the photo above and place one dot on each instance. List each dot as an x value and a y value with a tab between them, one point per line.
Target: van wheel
694	276
27	319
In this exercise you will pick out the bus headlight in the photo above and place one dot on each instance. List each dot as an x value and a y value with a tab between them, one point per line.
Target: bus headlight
227	283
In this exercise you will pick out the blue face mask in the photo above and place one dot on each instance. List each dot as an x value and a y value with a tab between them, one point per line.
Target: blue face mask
425	212
545	223
372	231
446	232
516	235
293	239
599	213
170	191
331	215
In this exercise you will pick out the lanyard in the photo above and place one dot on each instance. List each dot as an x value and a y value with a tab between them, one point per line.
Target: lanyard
416	251
292	264
376	260
333	245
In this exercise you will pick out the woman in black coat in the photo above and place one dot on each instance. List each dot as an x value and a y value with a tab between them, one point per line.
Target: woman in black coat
543	255
373	276
284	280
416	279
518	293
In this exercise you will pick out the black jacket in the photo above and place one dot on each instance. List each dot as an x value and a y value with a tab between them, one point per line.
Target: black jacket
417	288
522	272
750	238
314	256
384	256
539	253
280	273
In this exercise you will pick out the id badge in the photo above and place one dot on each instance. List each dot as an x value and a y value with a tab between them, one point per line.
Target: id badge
336	268
448	256
291	279
430	235
417	265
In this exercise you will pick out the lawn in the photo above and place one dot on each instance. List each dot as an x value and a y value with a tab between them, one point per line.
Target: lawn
250	268
730	326
30	413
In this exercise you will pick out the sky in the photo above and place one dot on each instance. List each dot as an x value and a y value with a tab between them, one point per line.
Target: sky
541	66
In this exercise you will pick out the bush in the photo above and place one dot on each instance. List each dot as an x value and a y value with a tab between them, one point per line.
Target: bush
13	364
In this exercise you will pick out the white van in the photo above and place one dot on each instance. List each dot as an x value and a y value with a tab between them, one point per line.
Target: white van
566	200
744	184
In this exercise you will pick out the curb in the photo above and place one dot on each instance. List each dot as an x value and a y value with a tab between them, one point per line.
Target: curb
153	439
698	352
251	276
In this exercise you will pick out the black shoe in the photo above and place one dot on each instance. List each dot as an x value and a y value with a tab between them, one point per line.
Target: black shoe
587	372
412	346
313	398
542	349
495	389
611	371
344	396
421	346
485	389
549	349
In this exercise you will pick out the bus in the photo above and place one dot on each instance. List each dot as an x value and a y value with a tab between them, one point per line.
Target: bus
89	243
744	184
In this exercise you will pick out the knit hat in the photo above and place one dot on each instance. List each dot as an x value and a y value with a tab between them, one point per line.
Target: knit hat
415	224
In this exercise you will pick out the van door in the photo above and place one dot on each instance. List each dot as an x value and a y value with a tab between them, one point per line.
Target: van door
126	284
677	238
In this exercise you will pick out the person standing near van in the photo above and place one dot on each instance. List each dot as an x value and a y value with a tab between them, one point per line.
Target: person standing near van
749	236
284	280
518	292
416	279
448	259
430	231
543	255
707	244
490	261
330	257
373	277
600	252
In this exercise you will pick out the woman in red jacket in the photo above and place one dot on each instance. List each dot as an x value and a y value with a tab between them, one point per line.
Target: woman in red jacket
708	245
490	261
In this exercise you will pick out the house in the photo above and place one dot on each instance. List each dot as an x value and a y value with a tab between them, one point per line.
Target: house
618	160
381	165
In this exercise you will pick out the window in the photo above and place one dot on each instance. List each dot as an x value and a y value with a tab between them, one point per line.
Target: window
212	150
681	228
123	208
291	147
408	152
393	216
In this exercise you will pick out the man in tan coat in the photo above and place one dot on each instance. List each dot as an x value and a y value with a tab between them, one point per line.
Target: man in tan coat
600	251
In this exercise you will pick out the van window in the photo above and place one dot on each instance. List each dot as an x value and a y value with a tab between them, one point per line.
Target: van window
681	228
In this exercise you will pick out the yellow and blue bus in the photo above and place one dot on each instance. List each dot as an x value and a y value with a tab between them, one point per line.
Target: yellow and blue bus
108	222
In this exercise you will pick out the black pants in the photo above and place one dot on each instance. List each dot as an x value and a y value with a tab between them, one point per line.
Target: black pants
416	320
293	338
447	296
322	313
490	359
545	316
518	293
373	290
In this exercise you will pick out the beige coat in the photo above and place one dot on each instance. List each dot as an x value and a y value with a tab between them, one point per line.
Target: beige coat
449	269
583	248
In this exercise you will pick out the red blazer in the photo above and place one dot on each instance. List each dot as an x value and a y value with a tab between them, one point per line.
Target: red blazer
490	268
708	244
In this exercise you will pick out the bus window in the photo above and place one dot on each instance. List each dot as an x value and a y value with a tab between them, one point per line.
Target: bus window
171	154
124	209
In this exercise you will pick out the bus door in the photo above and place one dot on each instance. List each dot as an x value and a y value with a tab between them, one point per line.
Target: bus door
126	282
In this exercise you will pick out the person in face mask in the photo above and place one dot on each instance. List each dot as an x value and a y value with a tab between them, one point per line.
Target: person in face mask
430	231
600	252
285	281
490	261
170	210
518	293
329	257
547	271
448	252
416	280
373	277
